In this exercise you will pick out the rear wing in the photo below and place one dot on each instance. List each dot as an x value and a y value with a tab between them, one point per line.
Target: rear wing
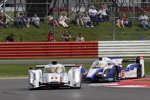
139	60
65	65
116	60
120	60
40	66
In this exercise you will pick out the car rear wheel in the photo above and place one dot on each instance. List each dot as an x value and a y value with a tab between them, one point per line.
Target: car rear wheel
139	72
79	87
115	75
54	87
31	87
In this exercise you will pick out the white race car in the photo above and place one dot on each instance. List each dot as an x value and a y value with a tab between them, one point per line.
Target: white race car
55	75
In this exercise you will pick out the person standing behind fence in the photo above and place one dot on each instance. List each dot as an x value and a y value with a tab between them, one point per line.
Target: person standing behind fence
52	22
51	37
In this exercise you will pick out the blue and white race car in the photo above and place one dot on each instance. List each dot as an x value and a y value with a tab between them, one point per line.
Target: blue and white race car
111	69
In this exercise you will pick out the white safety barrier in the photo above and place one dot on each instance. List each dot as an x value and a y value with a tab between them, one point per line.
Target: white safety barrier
123	48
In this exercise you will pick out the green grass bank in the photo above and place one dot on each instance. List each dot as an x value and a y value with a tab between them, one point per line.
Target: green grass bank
101	32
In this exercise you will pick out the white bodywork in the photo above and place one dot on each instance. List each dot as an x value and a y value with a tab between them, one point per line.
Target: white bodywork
142	63
55	75
131	71
99	64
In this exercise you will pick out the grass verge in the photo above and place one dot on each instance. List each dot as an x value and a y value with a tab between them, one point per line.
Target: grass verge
14	70
101	32
22	70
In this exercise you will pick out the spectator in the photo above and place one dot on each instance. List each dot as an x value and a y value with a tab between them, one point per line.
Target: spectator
87	21
92	11
36	21
93	14
63	20
128	23
143	18
26	20
51	20
103	14
0	19
120	21
78	19
19	20
10	38
80	38
66	36
3	21
51	37
123	21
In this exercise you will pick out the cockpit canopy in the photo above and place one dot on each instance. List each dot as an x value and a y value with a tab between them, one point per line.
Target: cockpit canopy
99	64
54	69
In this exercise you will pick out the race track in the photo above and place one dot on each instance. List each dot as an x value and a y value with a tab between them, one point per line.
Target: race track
17	89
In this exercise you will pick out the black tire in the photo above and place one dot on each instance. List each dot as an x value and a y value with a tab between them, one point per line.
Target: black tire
83	78
31	87
115	77
139	72
76	87
80	85
54	87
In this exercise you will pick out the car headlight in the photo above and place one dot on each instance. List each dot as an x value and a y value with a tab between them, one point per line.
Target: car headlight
105	75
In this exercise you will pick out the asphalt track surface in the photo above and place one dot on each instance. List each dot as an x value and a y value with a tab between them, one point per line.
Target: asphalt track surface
17	89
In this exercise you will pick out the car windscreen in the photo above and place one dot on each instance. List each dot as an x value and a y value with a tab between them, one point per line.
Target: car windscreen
54	70
99	64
